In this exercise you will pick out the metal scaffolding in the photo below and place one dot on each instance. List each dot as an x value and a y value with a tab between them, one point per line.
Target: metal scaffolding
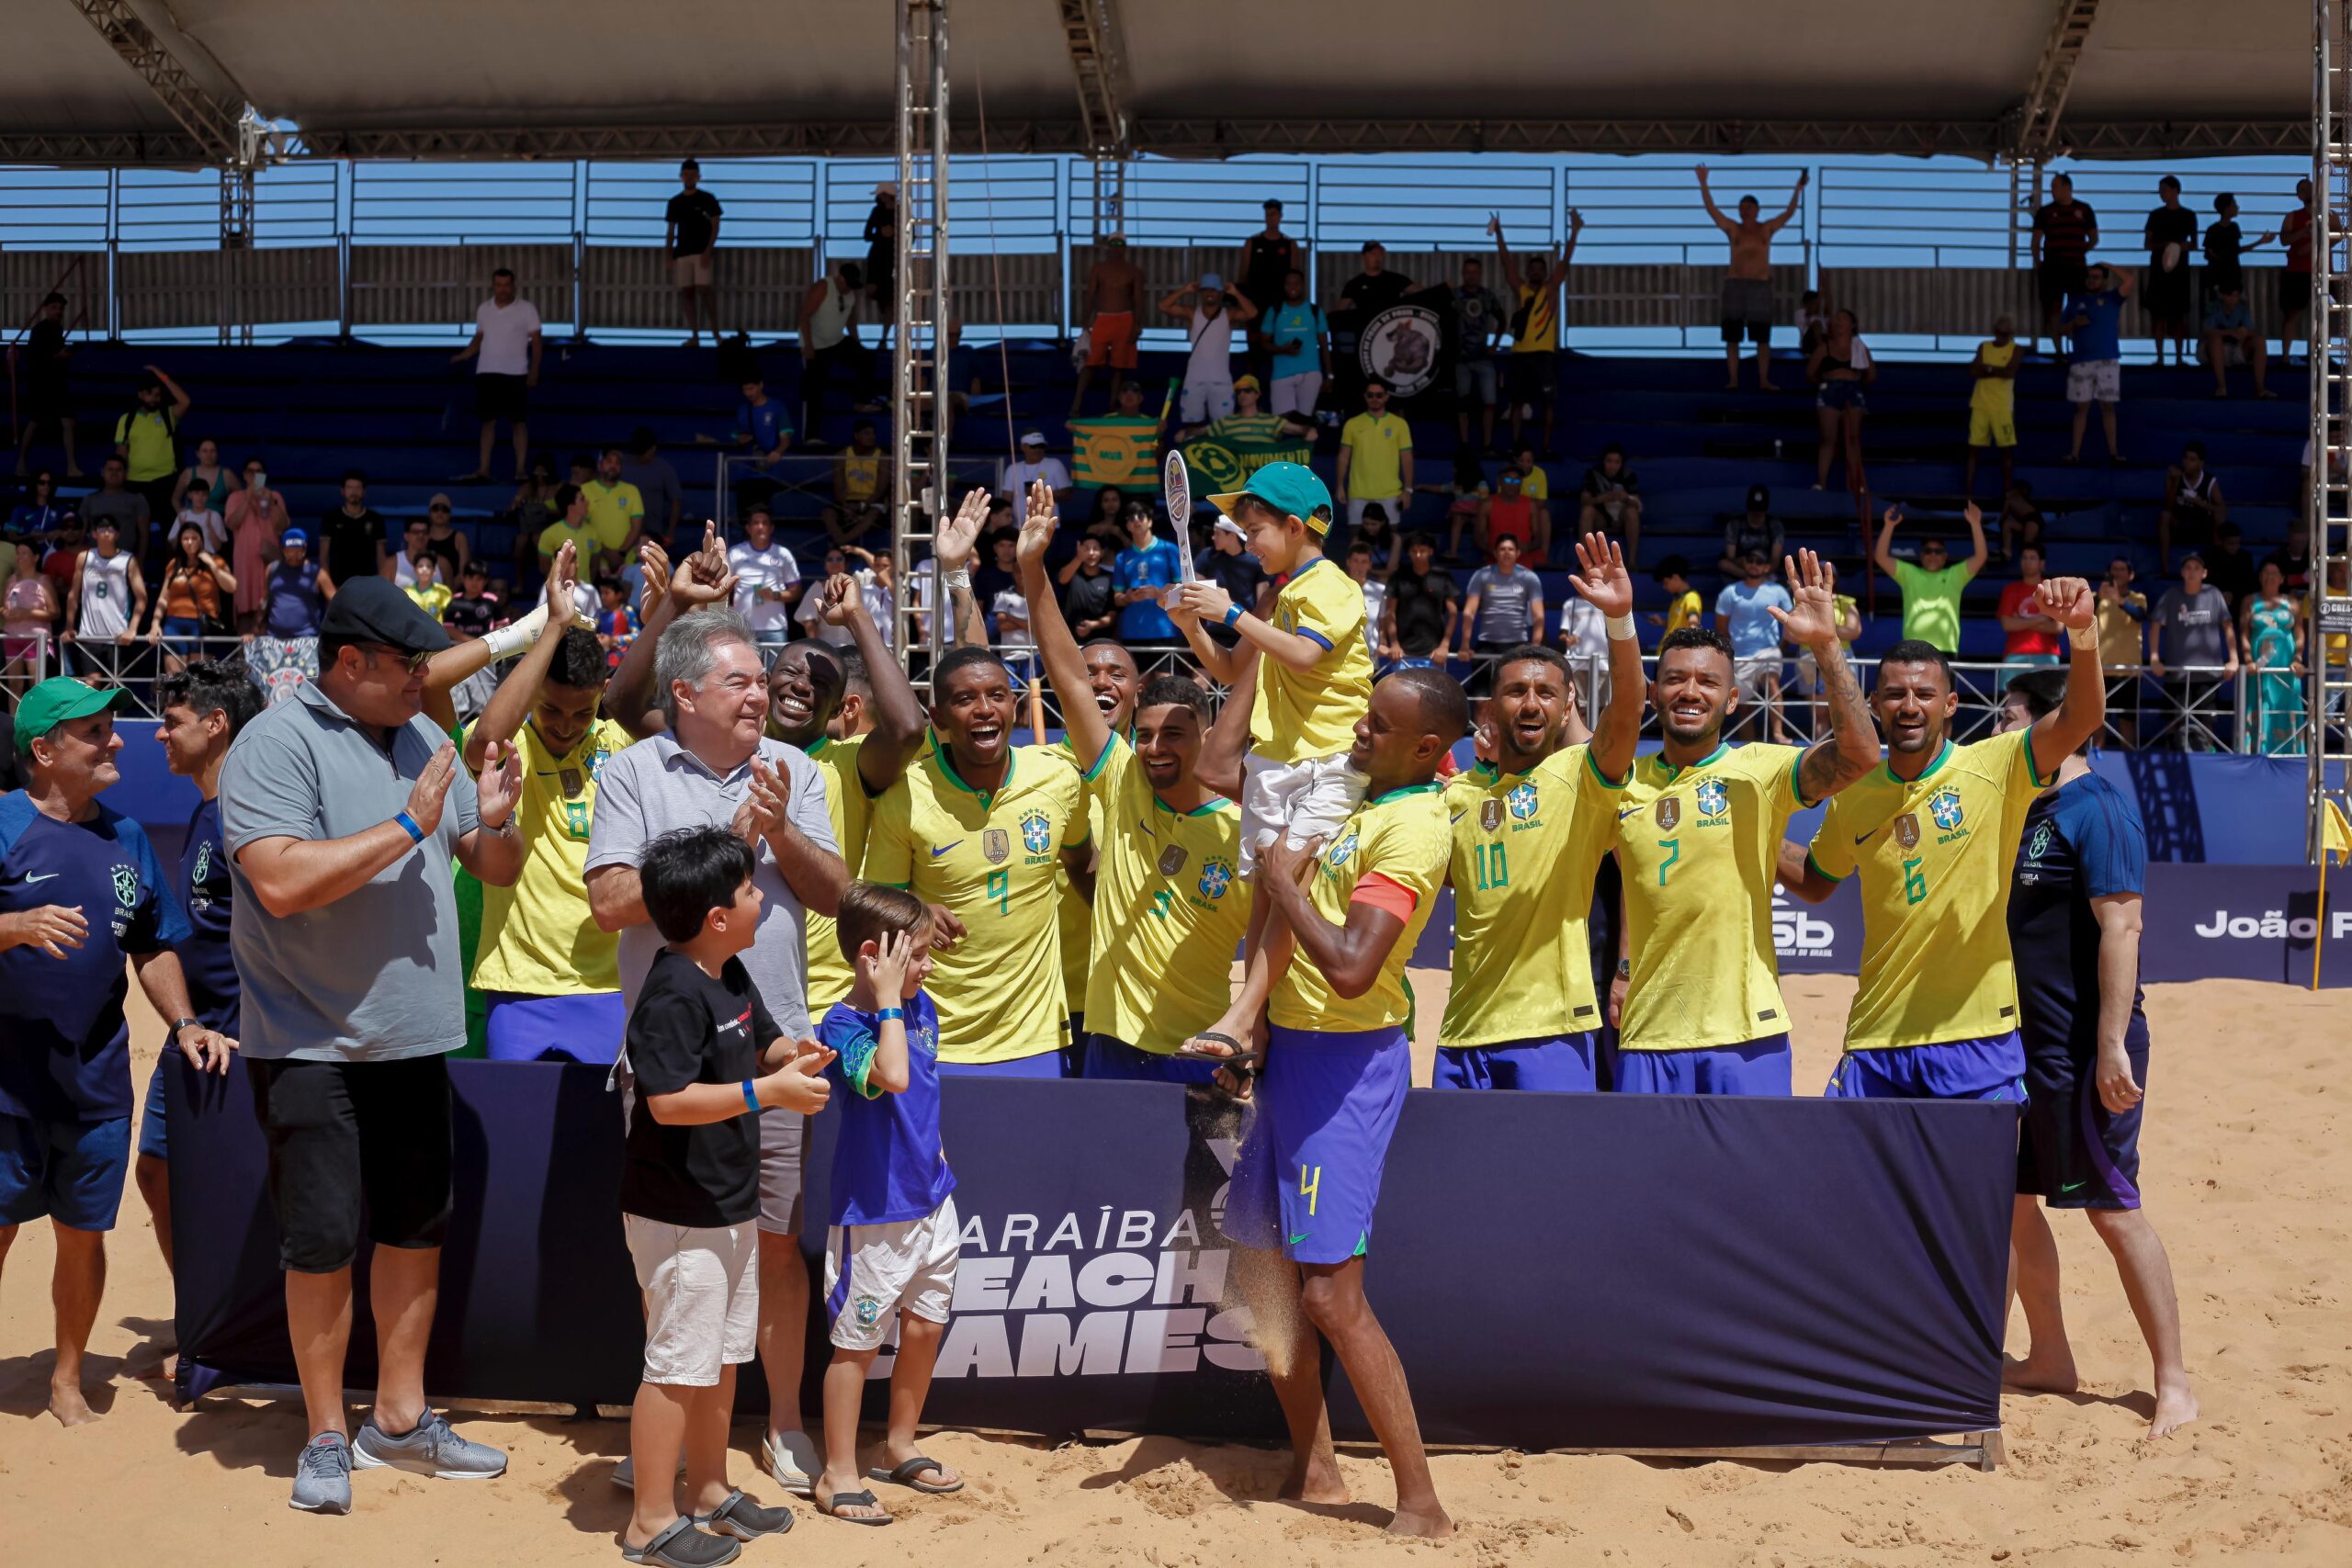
918	403
2328	501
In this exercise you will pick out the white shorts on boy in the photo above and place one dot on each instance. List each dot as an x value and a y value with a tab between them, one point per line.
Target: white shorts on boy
873	1272
1302	801
702	1297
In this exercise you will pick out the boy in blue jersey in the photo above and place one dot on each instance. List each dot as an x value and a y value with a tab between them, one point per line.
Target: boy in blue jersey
2074	928
80	889
203	706
891	1248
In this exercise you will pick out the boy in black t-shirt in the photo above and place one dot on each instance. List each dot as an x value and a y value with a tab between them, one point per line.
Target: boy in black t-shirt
690	1188
1417	623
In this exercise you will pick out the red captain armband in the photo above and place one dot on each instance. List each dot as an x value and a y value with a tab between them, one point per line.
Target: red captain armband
1385	892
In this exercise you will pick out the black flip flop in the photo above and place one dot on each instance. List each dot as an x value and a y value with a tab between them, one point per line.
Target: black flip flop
826	1503
906	1475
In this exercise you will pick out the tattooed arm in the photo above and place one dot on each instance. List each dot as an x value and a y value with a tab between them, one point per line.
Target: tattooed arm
1852	749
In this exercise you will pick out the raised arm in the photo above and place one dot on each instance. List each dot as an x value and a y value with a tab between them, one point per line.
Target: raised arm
2058	734
1883	552
1852	749
1608	587
700	579
1173	304
1057	648
1796	195
1707	198
503	715
1229	737
1977	554
967	628
898	723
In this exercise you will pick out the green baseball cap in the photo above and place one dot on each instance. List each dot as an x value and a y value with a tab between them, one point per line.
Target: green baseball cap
58	699
1290	488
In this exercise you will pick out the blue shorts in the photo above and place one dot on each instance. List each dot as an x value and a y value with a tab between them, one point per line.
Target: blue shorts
1557	1065
1109	1058
151	1115
1308	1177
2077	1154
1991	1067
1760	1066
70	1172
1044	1065
518	1027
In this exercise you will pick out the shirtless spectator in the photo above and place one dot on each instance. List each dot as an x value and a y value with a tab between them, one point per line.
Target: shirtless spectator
1113	309
1748	286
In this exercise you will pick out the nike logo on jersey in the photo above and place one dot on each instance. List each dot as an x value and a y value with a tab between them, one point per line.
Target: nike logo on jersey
2070	1186
1457	817
941	849
1296	1239
44	877
1629	811
1860	839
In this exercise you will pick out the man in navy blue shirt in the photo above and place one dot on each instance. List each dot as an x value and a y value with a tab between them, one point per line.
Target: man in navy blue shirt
2095	317
203	705
2075	929
80	889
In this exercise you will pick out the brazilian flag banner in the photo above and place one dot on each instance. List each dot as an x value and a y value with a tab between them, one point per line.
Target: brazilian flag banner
1224	456
1115	449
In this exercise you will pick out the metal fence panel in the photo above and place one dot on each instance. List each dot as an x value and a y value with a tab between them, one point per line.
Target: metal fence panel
231	289
629	286
442	285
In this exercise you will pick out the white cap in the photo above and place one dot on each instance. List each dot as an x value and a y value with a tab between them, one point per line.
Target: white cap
1228	526
1032	439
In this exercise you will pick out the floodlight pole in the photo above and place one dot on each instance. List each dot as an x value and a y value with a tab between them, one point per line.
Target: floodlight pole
919	393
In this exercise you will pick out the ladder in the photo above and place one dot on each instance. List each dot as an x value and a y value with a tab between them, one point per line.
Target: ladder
2328	503
918	403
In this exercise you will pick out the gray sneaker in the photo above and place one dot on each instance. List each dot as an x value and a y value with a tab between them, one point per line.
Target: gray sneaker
323	1475
434	1449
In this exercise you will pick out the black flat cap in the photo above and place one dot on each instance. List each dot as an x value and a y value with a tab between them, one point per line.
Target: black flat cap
372	610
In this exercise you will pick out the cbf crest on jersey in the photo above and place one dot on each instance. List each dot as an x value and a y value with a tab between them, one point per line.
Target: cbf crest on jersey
126	885
1216	876
1491	815
1037	833
1340	851
996	843
1945	809
1522	801
1714	798
2041	845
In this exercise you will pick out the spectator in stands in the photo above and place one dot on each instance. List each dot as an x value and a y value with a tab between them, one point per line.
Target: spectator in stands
2293	559
1210	312
2194	506
767	581
1744	615
1584	638
2192	622
1502	608
104	607
2224	246
1612	500
1299	340
2270	629
31	610
656	481
1992	404
64	557
2064	230
1375	591
617	511
1033	465
2171	238
1248	427
1754	529
1807	683
1111	308
861	487
299	590
1377	533
205	470
690	226
2123	617
2095	317
351	538
416	540
2020	518
1363	298
1507	513
1088	591
1747	286
811	613
829	345
190	600
1232	568
1000	541
473	610
2295	285
762	429
147	439
881	272
45	364
115	501
2028	639
1375	458
1267	259
1418	619
37	518
1535	326
505	348
1841	371
2229	326
572	527
448	547
1683	602
1141	571
1932	585
196	507
427	592
534	506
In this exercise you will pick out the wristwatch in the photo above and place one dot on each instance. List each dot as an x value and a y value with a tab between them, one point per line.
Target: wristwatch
172	1035
1624	969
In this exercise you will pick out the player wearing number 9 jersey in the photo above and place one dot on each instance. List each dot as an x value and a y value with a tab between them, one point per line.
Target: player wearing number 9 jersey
977	828
1699	828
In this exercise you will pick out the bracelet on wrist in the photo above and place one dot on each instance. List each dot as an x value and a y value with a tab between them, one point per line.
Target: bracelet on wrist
408	824
1620	628
887	1014
1233	615
751	1098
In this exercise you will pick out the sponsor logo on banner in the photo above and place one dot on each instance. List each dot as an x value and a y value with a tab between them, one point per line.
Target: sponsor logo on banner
2271	925
1400	346
1798	932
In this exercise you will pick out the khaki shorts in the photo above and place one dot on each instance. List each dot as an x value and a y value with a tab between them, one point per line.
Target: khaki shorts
874	1272
702	1298
691	271
1301	801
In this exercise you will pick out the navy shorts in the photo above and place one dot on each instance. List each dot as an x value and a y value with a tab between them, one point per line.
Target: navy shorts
2075	1152
1308	1177
1555	1064
70	1172
1841	395
1992	1067
1109	1058
1044	1065
1760	1066
151	1140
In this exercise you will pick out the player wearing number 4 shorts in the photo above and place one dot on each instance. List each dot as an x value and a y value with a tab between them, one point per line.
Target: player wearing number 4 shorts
1699	828
1932	834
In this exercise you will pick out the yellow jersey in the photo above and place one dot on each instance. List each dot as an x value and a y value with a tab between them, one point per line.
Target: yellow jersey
1700	848
1935	854
1684	611
537	937
1525	847
1542	331
1301	715
991	860
1995	395
1400	835
851	810
613	510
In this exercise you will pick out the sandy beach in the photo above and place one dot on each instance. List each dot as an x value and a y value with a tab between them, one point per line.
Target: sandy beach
2248	1170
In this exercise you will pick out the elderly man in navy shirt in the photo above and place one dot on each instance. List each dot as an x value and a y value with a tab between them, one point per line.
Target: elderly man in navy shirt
80	889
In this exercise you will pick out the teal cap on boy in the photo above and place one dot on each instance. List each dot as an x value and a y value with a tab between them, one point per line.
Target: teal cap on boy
1290	488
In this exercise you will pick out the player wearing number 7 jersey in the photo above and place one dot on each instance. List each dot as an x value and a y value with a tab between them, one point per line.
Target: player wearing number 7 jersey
1932	836
1699	828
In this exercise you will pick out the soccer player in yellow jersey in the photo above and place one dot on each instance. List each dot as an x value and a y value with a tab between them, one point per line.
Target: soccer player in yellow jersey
1699	828
976	830
1334	1075
1110	689
1933	836
1171	905
1529	829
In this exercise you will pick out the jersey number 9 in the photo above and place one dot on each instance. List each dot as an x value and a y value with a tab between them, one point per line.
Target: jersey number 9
1000	891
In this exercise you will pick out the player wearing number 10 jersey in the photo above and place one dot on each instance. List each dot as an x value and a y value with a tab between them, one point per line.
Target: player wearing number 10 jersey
1699	829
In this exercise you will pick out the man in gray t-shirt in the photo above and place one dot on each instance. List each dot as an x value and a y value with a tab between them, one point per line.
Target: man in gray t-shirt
2194	651
1504	605
341	812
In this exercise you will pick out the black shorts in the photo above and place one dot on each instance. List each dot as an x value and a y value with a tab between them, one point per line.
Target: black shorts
51	401
1534	377
502	396
2075	1154
344	1134
2054	280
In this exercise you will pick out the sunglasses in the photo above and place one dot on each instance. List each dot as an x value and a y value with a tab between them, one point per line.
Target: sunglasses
413	663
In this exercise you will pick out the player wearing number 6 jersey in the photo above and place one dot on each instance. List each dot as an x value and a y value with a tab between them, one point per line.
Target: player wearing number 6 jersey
1932	835
1699	828
976	830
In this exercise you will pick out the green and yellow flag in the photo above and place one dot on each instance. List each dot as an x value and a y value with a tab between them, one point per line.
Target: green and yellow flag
1225	455
1115	449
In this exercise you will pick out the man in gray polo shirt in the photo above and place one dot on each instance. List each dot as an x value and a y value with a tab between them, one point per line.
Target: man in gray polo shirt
340	811
715	767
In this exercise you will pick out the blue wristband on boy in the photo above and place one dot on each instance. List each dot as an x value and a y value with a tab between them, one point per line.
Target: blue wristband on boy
1232	614
887	1014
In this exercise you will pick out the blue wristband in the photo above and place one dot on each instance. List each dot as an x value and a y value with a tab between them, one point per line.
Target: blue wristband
1232	614
408	824
887	1014
751	1098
